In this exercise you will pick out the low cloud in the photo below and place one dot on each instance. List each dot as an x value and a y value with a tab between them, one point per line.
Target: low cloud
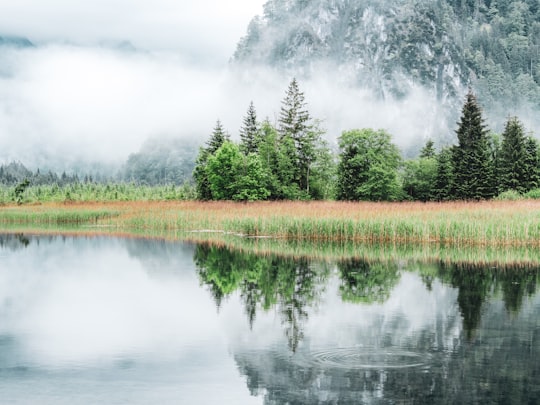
89	104
207	28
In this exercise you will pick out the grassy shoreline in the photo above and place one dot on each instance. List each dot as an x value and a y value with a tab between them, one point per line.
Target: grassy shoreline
319	230
487	223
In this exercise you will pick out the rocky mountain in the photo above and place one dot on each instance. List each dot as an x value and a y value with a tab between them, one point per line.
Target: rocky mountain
390	46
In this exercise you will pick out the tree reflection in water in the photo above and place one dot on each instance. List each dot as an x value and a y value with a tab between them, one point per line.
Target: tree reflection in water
264	282
493	359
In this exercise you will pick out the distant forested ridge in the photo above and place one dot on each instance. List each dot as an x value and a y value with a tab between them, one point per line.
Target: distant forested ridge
168	161
161	161
446	46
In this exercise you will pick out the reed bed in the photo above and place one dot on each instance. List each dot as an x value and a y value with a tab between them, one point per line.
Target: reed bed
489	223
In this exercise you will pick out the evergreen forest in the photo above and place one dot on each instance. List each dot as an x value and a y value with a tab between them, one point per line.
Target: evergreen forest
292	161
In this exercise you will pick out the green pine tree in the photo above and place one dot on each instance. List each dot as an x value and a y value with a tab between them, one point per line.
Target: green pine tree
295	123
200	172
428	151
444	180
513	157
249	132
219	136
532	164
472	164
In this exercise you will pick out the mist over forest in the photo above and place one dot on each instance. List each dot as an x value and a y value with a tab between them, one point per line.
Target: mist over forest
77	102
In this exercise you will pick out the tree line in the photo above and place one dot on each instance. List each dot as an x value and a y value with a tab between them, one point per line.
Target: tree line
291	161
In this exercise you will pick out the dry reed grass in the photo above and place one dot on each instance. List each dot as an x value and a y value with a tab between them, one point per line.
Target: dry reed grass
487	223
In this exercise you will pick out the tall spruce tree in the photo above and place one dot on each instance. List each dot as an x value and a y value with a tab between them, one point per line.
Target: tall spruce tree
532	164
444	180
471	158
513	170
295	123
200	173
249	132
218	137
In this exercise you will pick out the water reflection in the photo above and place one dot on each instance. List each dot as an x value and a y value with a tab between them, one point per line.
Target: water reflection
133	321
264	282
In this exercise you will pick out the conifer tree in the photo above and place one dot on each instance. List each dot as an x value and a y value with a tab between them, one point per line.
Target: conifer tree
513	157
428	151
472	165
495	149
445	175
294	117
218	137
200	173
249	132
532	164
295	123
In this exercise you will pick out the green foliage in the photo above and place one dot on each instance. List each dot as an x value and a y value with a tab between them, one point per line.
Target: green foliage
513	175
292	162
533	194
249	132
368	166
87	192
200	176
428	151
532	163
296	129
362	282
234	176
419	178
19	190
219	136
223	169
264	282
471	159
444	180
509	195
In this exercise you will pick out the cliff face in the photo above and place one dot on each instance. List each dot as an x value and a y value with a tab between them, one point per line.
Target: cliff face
389	46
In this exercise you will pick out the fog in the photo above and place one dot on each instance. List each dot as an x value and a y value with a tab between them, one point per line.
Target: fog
79	307
206	29
73	104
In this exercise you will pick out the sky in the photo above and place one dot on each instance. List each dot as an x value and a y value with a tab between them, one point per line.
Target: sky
207	28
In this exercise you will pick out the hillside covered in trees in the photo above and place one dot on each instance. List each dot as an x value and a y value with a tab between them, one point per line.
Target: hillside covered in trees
390	46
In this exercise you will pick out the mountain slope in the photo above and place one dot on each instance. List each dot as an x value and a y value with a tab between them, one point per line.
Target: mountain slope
390	46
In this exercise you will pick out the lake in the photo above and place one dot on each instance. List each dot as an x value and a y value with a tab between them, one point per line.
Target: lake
88	320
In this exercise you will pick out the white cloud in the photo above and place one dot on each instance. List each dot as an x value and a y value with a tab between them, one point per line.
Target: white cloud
206	27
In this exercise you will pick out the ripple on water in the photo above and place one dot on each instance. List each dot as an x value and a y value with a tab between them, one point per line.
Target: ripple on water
362	358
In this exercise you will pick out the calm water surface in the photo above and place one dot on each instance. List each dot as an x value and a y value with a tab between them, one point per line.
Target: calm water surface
119	321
